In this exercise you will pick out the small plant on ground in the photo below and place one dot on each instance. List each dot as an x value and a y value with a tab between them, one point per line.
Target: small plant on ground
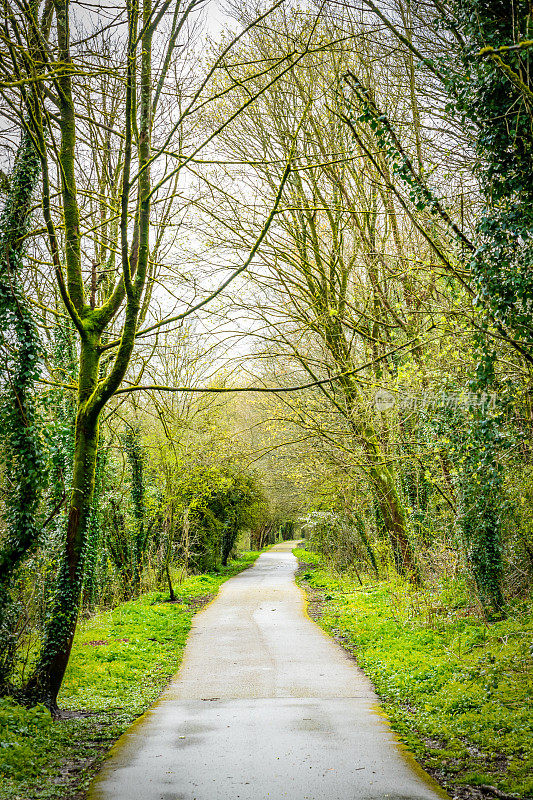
121	661
456	689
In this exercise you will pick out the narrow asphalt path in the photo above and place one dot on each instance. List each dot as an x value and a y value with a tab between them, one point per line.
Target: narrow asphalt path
264	707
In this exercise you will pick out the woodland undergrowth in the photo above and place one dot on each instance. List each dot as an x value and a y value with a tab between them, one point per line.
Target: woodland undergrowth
456	689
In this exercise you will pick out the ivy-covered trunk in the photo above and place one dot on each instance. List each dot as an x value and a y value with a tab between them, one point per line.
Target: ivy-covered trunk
384	484
359	524
19	337
135	456
229	536
20	351
92	321
94	537
59	635
482	505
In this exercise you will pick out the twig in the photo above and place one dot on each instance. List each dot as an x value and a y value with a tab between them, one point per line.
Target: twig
486	789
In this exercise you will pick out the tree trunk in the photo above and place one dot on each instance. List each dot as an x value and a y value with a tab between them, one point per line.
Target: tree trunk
169	523
172	595
384	484
359	524
393	515
46	681
19	335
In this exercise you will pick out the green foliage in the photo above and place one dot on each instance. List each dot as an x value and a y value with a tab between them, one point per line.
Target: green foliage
475	431
482	512
18	726
95	534
220	502
135	455
492	92
340	538
474	441
20	354
121	660
286	530
519	523
452	686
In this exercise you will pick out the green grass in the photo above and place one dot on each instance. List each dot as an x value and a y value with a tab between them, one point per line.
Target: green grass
458	692
121	660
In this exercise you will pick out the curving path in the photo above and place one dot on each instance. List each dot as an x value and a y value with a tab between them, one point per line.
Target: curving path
264	707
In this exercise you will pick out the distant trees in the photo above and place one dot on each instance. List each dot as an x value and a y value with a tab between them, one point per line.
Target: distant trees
330	257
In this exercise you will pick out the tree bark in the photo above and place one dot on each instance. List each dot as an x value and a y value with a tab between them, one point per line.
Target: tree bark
55	651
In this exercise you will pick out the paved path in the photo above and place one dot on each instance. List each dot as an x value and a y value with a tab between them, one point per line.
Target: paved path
264	707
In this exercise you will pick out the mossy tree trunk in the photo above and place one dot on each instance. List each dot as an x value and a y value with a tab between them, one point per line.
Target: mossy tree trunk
384	484
57	644
108	312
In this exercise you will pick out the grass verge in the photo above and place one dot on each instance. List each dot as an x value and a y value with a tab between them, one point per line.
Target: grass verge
456	690
121	660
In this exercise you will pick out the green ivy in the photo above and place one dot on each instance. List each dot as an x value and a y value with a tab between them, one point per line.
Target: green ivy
135	456
497	110
500	264
21	357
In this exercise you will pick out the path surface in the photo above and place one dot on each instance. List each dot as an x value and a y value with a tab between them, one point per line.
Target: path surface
264	707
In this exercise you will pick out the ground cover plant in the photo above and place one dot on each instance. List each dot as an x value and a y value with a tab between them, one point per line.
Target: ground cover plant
122	659
456	689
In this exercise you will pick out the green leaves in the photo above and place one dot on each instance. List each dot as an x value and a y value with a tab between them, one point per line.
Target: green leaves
21	354
18	725
497	113
220	502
